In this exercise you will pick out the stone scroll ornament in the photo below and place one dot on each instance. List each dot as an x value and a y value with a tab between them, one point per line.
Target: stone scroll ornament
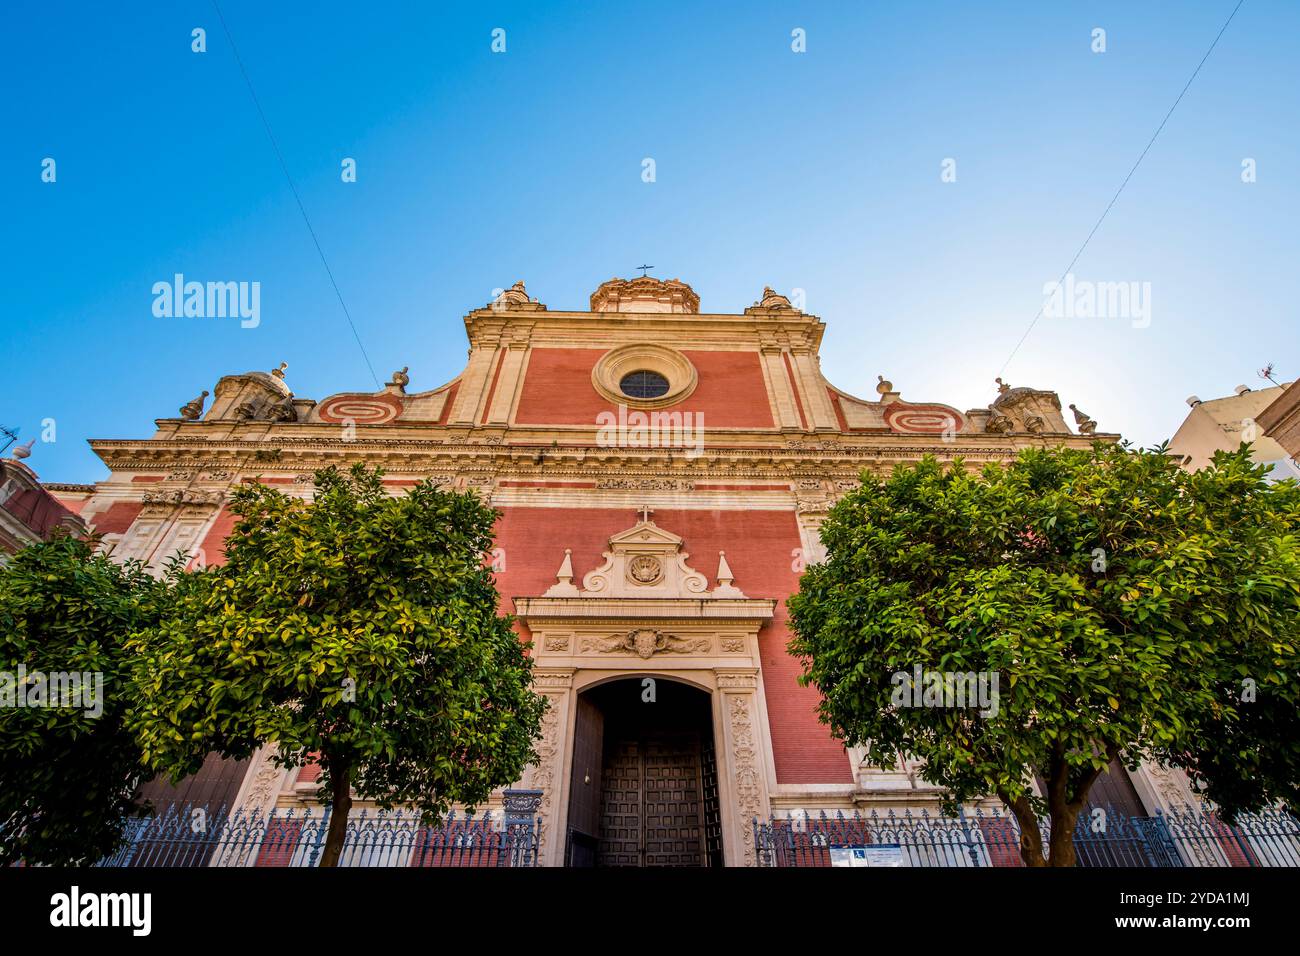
922	419
360	409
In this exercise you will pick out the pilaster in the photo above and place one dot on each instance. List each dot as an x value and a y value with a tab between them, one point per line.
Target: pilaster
744	764
549	774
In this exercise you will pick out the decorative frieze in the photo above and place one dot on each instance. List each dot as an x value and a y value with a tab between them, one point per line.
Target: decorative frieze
645	643
645	484
737	681
184	496
551	681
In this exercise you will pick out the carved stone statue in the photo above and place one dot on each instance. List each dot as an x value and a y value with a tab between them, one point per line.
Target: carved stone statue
192	409
400	378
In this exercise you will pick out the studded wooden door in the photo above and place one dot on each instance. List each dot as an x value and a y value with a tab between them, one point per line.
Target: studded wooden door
652	801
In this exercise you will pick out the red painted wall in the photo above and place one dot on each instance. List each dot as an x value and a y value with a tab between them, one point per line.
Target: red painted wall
75	505
758	546
557	389
214	542
117	518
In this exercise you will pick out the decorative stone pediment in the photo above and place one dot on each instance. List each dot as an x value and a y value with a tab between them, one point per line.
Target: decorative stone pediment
515	299
251	397
645	561
1020	410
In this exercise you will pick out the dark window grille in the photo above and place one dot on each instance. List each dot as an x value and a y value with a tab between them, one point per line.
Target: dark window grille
643	385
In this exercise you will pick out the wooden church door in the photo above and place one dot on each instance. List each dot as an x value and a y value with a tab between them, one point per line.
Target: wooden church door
644	788
652	801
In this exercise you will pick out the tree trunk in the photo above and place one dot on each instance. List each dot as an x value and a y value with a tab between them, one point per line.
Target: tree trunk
1060	847
341	787
1063	809
1031	838
1064	806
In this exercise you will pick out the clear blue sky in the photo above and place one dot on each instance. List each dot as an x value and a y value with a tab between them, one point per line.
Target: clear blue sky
818	170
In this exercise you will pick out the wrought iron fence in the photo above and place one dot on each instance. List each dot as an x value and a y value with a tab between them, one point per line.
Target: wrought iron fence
1186	836
196	835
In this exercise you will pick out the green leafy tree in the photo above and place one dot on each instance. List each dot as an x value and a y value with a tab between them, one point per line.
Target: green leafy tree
1119	601
69	767
357	628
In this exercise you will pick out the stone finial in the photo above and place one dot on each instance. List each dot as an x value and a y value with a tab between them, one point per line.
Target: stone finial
400	379
885	389
1086	425
773	300
24	451
564	586
1003	387
724	570
279	372
192	409
725	588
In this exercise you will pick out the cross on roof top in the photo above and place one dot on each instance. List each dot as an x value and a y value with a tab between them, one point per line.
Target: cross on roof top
646	512
644	270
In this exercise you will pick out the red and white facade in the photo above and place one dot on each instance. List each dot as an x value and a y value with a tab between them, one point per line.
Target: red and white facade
644	536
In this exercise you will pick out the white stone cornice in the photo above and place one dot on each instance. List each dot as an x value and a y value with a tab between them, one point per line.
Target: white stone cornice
200	452
650	610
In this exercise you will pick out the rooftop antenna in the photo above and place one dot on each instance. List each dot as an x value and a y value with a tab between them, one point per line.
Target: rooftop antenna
9	433
644	270
1267	372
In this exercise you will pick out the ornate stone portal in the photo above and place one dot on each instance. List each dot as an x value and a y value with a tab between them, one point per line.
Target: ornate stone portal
645	612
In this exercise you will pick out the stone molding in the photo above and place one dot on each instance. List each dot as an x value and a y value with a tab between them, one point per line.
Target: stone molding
597	610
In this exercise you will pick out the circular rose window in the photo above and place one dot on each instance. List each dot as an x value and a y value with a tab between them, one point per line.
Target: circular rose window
643	384
644	376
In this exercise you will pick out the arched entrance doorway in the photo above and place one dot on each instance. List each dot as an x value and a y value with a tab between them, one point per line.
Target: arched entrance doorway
644	785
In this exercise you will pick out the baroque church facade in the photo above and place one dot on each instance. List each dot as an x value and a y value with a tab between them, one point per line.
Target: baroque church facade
661	475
